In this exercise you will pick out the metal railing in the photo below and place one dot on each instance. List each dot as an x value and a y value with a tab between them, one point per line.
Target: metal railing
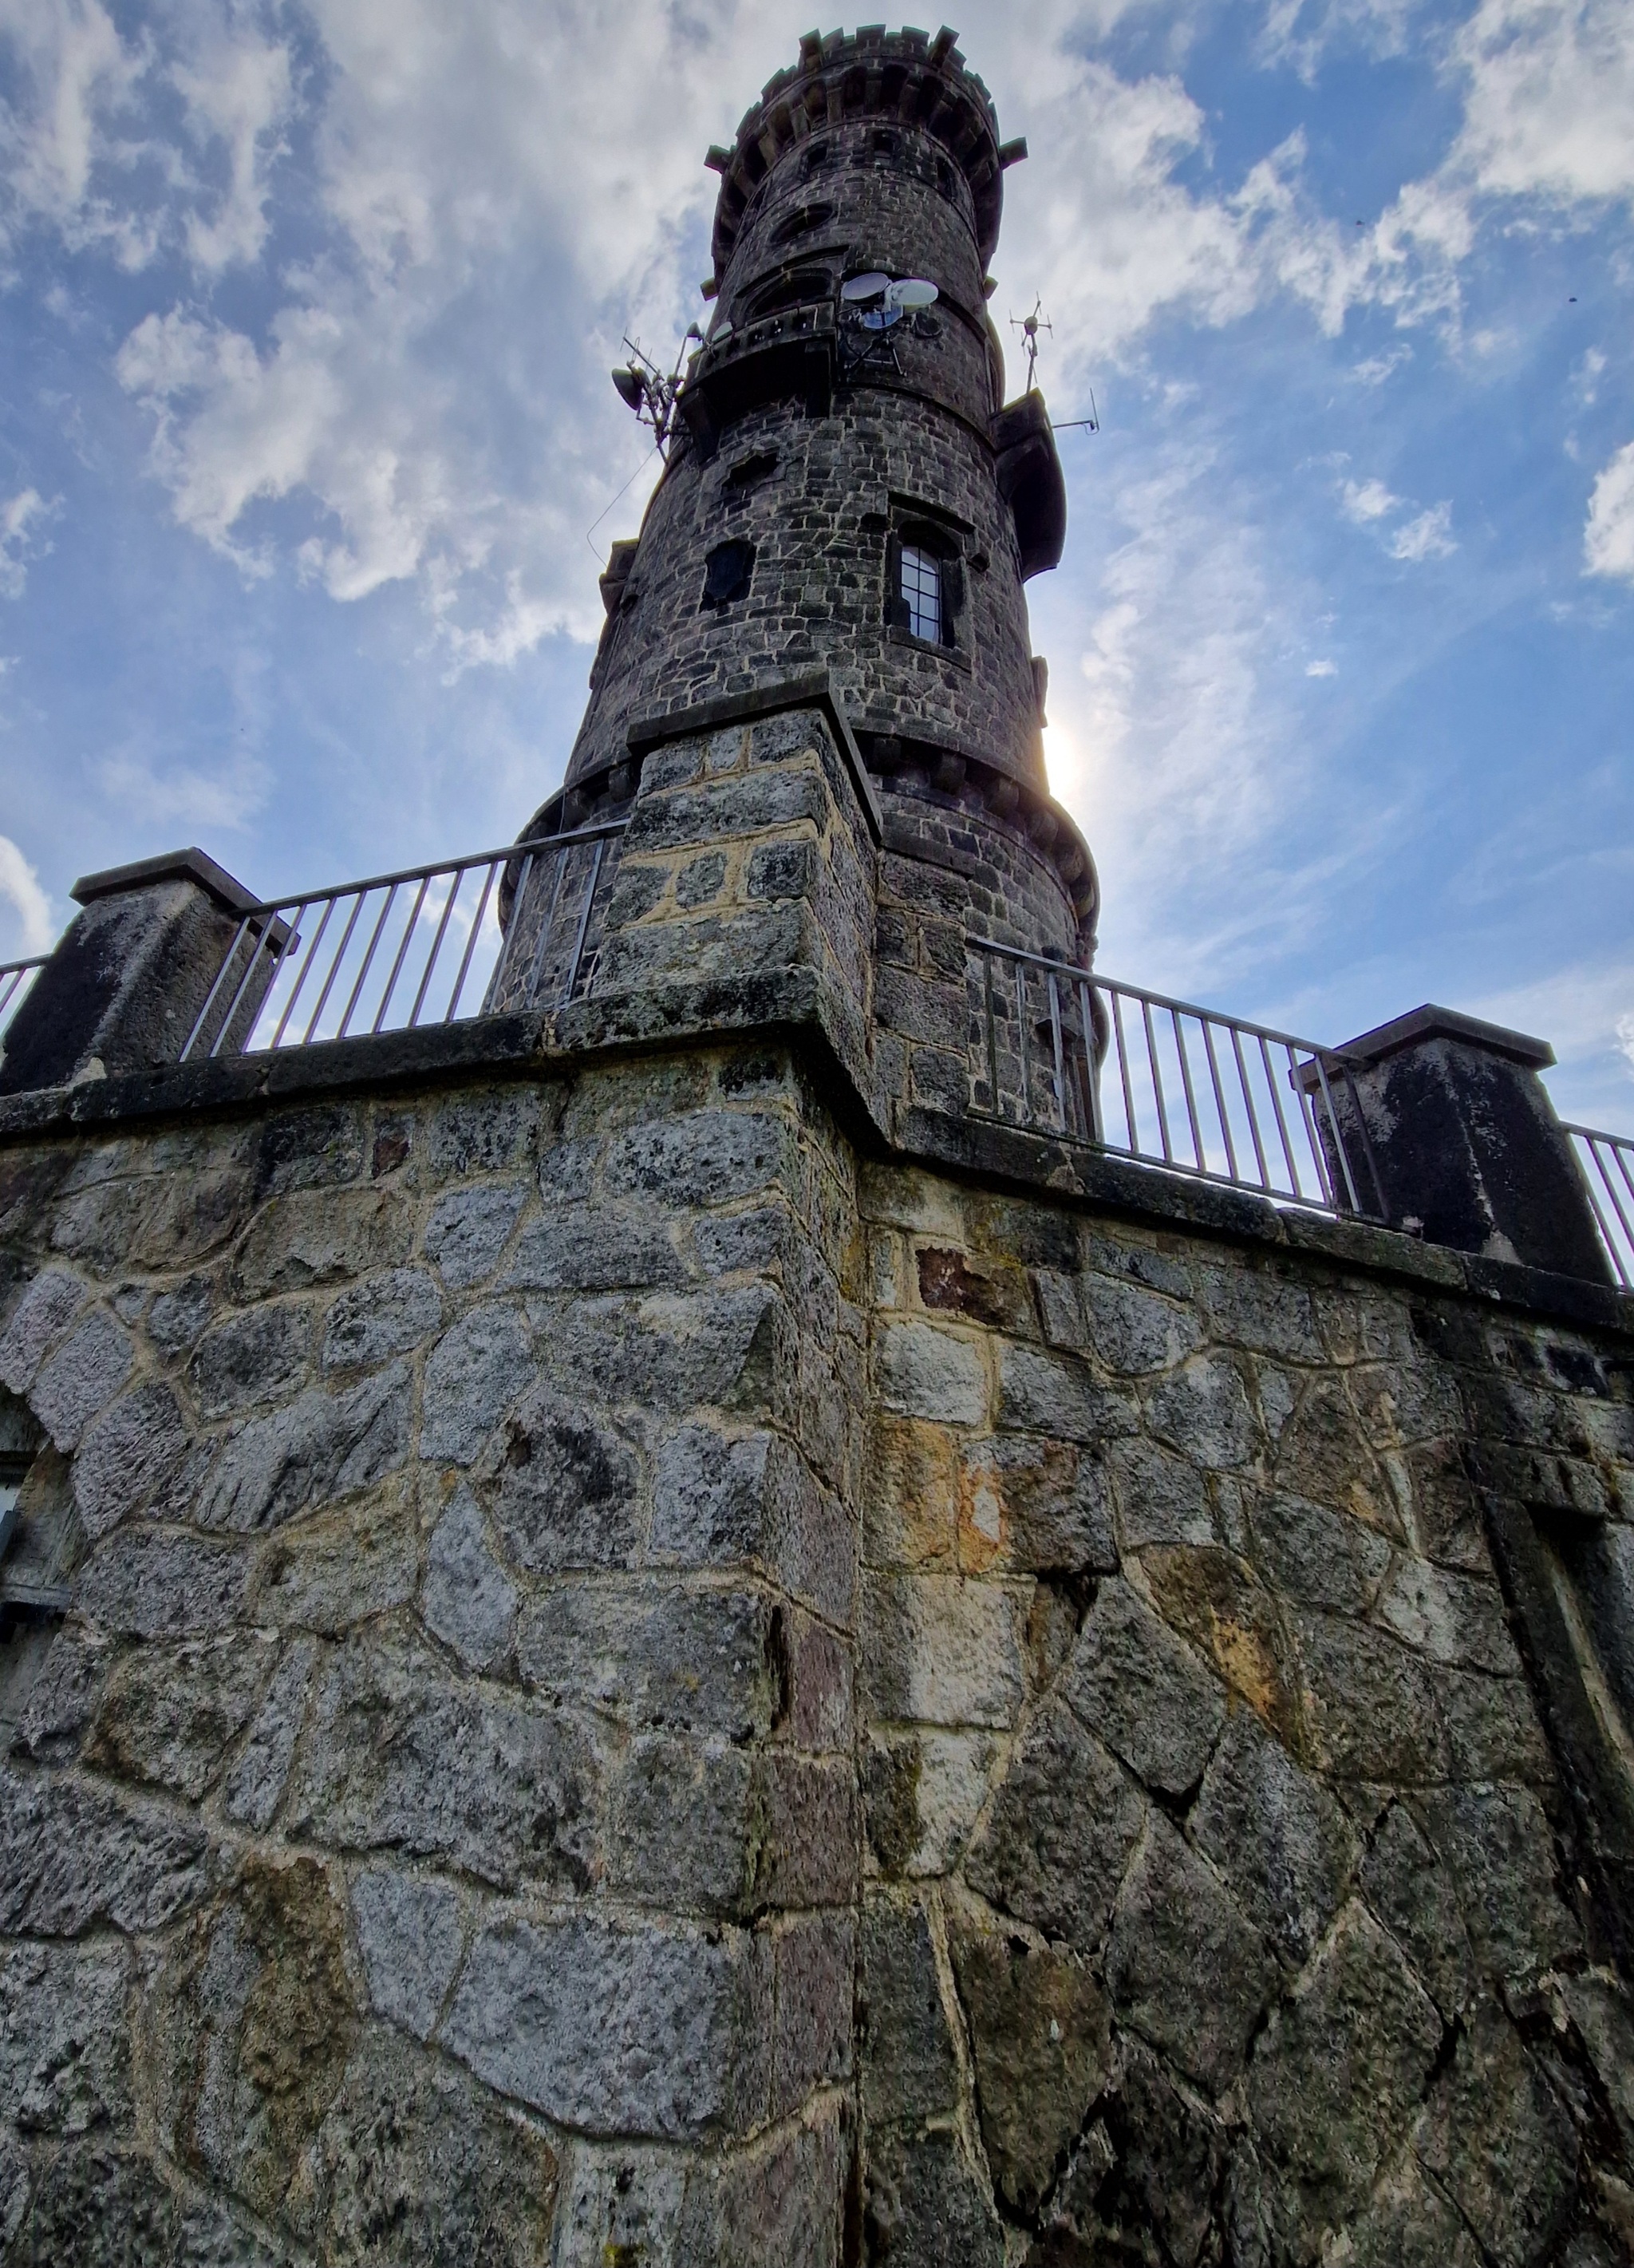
16	976
1166	1083
400	951
1607	1164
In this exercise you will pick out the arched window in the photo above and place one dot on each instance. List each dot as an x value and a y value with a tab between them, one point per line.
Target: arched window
921	574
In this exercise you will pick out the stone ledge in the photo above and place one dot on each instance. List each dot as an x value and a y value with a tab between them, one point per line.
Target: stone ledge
796	1006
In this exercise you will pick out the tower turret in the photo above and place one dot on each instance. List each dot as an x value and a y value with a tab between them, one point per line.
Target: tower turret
845	489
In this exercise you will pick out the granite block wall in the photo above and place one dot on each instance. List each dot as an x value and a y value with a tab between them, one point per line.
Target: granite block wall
430	1833
1224	1899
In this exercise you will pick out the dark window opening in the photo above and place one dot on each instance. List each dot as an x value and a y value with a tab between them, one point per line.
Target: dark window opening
802	223
945	181
747	475
726	572
885	143
816	158
797	291
922	593
925	585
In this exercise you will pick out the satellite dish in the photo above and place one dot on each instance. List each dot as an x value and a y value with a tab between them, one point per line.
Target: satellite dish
911	292
632	386
721	333
864	287
880	319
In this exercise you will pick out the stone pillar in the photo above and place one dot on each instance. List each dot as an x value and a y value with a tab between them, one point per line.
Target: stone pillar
1464	1142
125	983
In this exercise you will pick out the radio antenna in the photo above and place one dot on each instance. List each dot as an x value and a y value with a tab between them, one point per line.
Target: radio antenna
1029	327
651	392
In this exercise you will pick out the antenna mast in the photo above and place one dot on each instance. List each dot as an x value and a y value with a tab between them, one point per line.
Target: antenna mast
651	392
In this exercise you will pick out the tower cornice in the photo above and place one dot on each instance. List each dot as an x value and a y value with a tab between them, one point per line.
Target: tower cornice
903	77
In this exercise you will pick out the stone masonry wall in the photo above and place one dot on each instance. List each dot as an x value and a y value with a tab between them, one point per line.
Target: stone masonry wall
1223	1901
432	1834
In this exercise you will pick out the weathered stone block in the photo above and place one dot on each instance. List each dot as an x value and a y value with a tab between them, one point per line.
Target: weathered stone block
401	1756
72	1856
1185	1967
1277	1837
410	1935
567	1491
1497	2136
1331	2119
469	1228
618	2028
940	1650
131	1454
318	1236
1040	2035
909	2070
389	1316
169	1714
416	2163
923	1371
702	1661
924	2204
319	1448
1142	1691
147	1582
1056	1843
472	1375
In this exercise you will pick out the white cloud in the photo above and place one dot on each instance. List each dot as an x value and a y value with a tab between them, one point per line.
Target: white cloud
19	516
1625	1039
1608	536
19	885
1430	537
1321	669
1366	501
238	93
1550	102
183	796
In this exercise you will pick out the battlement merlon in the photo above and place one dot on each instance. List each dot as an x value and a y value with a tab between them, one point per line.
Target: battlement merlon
904	76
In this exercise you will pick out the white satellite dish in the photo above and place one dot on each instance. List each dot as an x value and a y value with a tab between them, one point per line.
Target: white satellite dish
721	333
864	287
911	292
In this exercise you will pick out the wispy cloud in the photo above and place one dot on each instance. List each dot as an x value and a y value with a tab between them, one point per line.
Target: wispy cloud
1428	536
19	888
1608	536
21	517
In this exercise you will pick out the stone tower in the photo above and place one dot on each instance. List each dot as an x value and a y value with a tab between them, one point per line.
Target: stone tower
846	495
645	1628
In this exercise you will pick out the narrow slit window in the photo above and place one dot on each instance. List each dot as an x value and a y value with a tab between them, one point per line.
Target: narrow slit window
922	593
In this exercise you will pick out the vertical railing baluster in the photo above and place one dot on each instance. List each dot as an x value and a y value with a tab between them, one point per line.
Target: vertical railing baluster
363	974
1191	1099
336	960
497	981
209	999
584	923
263	937
1092	1069
1338	1134
1282	1123
1155	1069
1116	996
1313	1139
1254	1115
300	976
992	1035
402	951
1207	1023
537	969
1055	1035
455	886
495	866
1027	1072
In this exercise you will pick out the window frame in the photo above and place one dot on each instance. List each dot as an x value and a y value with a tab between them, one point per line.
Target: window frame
911	532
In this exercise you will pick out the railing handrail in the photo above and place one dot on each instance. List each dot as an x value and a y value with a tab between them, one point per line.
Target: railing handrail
1097	982
597	832
15	967
1222	1105
1619	1245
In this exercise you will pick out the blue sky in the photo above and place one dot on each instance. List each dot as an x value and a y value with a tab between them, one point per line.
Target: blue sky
307	448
